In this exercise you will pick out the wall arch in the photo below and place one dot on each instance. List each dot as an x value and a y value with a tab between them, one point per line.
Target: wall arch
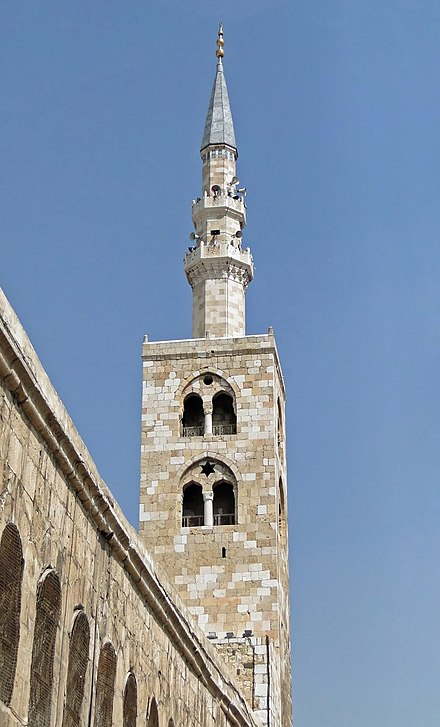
11	576
130	701
153	715
76	670
43	649
105	686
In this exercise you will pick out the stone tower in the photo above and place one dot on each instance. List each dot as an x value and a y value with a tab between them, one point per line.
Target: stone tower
213	494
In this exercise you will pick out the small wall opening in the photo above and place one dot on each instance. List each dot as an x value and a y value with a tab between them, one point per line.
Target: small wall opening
193	419
192	508
224	420
223	552
224	504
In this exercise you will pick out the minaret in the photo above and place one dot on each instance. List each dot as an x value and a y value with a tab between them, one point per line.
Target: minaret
213	493
217	267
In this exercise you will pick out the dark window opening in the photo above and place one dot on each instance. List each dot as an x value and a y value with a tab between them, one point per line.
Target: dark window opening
223	552
224	420
224	504
208	380
192	510
193	420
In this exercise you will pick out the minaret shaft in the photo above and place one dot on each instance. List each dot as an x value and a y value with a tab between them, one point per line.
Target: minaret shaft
217	267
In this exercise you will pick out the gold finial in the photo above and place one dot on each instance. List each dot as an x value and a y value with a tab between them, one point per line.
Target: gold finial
220	42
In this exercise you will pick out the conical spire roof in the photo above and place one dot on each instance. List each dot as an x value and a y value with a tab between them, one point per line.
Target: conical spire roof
219	127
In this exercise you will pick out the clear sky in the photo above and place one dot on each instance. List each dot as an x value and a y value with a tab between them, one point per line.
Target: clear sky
336	109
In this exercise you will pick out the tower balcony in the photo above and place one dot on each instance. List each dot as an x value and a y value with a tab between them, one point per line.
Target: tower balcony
219	206
211	260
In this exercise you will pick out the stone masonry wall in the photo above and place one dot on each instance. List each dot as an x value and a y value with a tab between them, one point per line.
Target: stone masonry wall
71	528
232	577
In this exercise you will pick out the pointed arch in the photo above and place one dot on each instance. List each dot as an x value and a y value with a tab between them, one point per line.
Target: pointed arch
224	419
192	506
224	503
43	649
105	686
130	702
153	715
281	509
76	670
11	576
193	417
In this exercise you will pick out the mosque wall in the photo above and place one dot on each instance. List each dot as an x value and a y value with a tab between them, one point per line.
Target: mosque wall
91	631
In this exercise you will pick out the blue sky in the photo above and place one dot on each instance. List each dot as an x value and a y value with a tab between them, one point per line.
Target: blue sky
336	110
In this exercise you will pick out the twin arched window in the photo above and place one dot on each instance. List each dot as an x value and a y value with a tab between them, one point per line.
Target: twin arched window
193	507
209	408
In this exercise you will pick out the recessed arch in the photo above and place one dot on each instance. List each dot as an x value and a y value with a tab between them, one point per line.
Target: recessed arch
43	649
76	670
11	576
221	380
130	701
105	686
153	715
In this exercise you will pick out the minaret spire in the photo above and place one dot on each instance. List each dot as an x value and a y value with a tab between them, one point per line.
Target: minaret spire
217	267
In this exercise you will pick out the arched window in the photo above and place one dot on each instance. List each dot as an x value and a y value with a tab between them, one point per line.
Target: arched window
11	575
153	716
281	509
43	649
105	686
193	419
224	504
170	722
76	670
192	509
224	420
130	702
280	428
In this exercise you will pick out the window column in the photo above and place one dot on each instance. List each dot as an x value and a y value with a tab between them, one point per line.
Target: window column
208	508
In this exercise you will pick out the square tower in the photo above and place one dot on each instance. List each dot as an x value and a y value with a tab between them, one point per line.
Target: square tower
213	496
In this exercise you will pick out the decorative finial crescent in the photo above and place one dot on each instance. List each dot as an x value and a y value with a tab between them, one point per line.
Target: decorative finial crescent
220	42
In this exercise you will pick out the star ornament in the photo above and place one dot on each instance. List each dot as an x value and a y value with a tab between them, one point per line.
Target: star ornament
208	468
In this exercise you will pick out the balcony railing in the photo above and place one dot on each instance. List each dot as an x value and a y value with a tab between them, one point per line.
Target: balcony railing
222	429
192	521
193	431
224	519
